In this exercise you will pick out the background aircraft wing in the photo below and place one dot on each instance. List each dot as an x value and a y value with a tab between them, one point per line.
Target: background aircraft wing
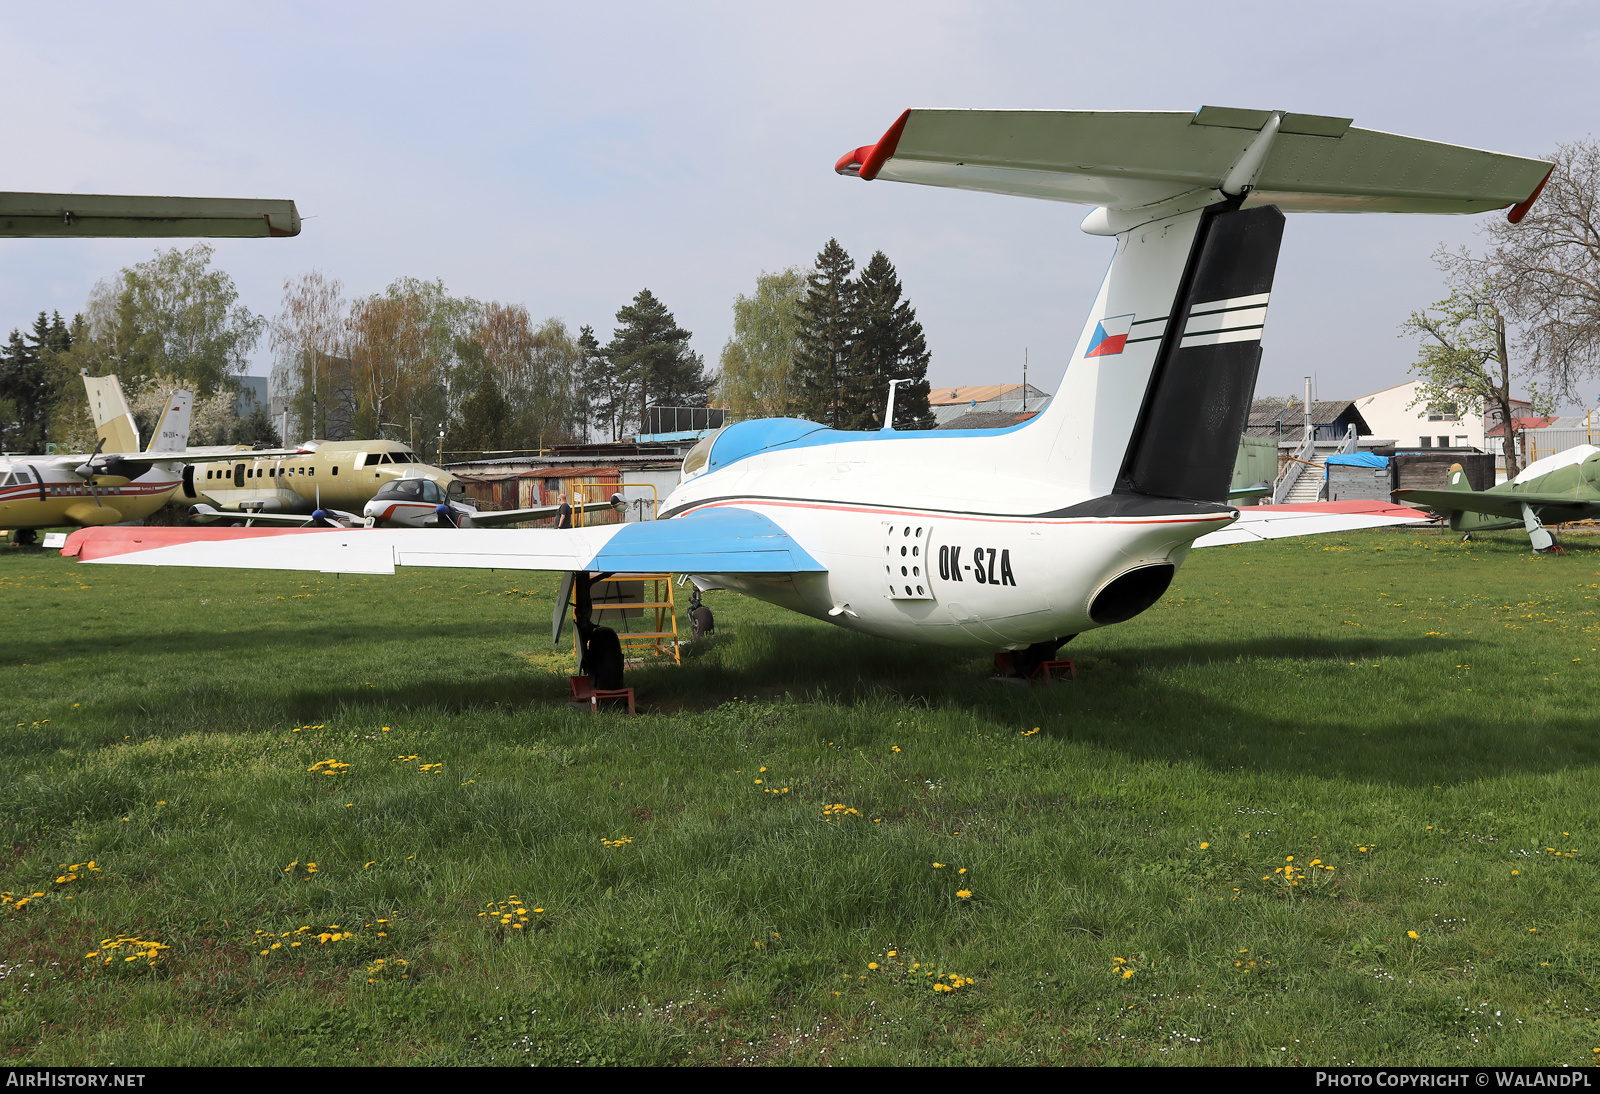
1500	504
207	514
211	455
115	215
496	518
1260	522
720	540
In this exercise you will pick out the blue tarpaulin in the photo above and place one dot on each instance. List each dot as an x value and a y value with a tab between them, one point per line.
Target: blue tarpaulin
1357	459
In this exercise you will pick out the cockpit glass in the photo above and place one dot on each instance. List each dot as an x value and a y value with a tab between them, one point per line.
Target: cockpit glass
695	461
405	488
457	488
431	492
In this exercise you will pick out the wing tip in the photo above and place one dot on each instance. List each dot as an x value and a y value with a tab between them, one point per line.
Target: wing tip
865	162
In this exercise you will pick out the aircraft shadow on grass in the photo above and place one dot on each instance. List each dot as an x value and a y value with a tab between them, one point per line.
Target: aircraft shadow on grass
236	641
1124	703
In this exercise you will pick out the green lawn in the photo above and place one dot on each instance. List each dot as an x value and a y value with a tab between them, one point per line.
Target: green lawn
716	880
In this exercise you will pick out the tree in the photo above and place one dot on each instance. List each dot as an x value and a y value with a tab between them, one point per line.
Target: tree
309	335
756	380
175	316
827	318
604	396
652	358
887	344
1549	268
1465	358
537	369
483	418
406	348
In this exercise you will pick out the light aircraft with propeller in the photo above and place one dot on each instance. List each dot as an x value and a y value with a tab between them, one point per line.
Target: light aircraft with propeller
1557	489
1016	538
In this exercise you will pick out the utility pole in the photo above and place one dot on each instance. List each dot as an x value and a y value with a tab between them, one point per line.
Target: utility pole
1310	429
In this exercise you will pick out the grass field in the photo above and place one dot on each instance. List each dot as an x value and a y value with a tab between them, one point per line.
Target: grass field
813	847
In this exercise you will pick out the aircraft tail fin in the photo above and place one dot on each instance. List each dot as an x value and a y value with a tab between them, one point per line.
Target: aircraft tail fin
1458	478
113	421
172	431
1158	389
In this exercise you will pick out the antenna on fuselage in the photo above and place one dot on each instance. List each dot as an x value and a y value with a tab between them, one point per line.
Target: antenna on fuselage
888	414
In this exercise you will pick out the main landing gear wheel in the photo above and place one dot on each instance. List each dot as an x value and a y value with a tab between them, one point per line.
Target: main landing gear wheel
25	537
701	621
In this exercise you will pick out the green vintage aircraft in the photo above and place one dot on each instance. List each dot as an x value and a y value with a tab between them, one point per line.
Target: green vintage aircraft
1553	490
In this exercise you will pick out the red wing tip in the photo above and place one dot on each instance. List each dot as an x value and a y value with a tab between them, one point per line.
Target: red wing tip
1520	209
865	162
88	544
850	162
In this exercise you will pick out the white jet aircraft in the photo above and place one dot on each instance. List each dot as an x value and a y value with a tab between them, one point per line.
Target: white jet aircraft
1016	538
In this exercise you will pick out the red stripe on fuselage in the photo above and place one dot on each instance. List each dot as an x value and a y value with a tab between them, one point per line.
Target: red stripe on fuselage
937	515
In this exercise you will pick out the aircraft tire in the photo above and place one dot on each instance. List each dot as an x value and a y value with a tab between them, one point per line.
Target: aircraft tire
701	622
602	659
25	537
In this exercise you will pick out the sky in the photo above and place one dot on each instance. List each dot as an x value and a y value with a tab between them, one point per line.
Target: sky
567	156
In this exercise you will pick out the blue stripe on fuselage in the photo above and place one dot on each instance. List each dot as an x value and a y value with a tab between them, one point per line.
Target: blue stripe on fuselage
744	439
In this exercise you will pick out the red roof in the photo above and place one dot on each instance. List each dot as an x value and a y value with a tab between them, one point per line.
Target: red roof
1498	429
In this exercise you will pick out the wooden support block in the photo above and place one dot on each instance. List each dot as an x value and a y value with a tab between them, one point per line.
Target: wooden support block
618	694
1047	670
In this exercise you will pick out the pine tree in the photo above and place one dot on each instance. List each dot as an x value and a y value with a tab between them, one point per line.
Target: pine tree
25	384
652	358
887	345
827	315
599	391
483	417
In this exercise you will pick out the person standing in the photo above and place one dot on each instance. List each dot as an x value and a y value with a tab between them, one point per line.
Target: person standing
564	512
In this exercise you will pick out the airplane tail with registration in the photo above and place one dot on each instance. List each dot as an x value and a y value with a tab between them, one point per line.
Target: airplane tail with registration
1158	386
172	431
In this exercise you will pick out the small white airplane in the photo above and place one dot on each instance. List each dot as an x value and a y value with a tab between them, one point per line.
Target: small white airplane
1016	538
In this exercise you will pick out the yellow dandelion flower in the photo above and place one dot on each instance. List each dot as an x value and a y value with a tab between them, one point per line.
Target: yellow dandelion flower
1412	934
963	893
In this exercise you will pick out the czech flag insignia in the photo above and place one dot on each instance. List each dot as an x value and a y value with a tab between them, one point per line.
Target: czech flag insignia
1110	335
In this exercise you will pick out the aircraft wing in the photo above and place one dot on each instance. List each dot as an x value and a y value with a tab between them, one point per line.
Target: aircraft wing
495	518
100	215
720	540
1501	504
202	455
206	514
1262	522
